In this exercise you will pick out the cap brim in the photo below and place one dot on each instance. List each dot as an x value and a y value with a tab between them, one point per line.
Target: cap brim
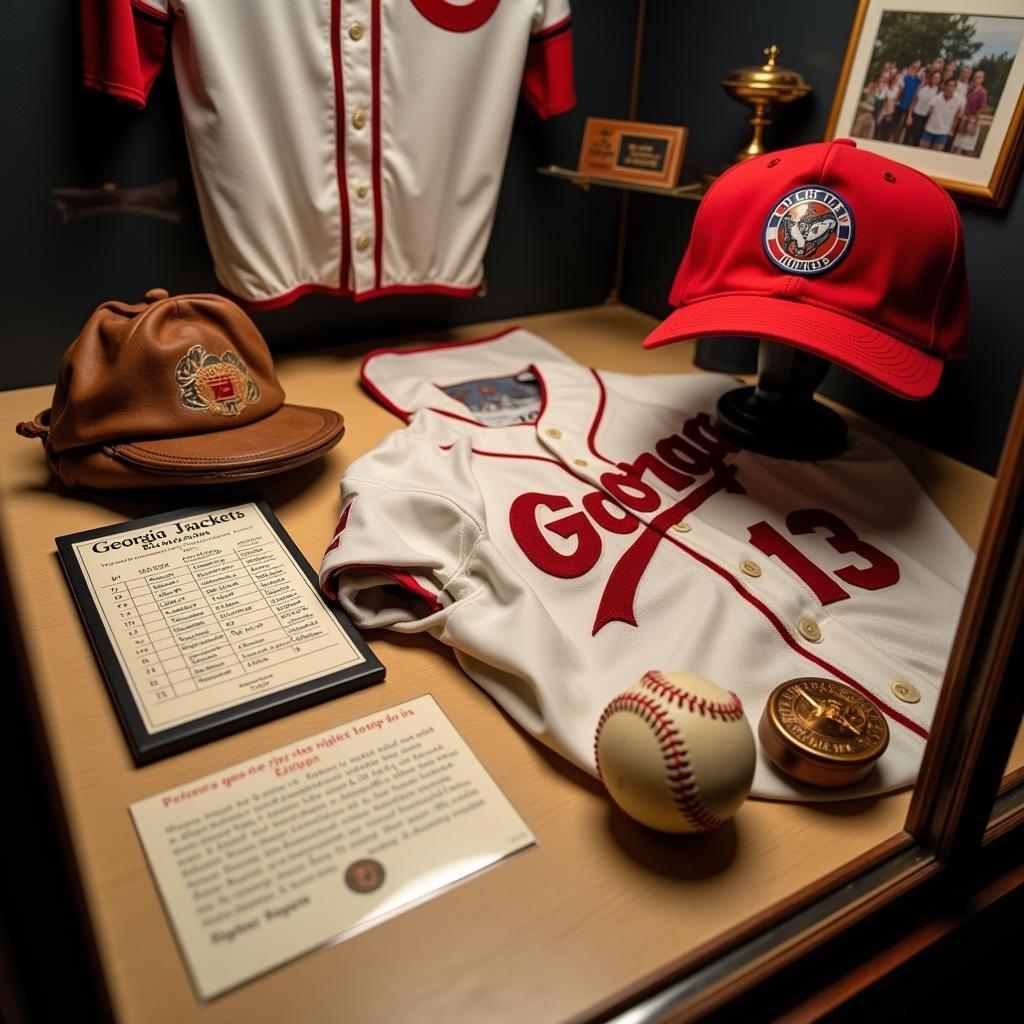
886	361
288	437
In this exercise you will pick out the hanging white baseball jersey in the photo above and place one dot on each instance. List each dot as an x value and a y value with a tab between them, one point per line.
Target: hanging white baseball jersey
345	146
565	530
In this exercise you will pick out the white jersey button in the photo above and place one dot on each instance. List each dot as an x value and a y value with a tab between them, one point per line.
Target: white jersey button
355	31
681	527
907	692
359	119
362	191
809	630
553	432
750	568
363	243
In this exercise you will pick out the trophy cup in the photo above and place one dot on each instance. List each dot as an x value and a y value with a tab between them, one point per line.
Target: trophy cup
761	88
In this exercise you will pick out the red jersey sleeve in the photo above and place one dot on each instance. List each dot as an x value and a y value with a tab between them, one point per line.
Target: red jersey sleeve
548	79
123	46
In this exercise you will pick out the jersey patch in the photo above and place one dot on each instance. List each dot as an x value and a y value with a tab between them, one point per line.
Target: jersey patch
808	231
499	401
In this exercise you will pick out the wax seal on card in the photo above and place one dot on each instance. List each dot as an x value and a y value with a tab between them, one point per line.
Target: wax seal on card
822	731
364	875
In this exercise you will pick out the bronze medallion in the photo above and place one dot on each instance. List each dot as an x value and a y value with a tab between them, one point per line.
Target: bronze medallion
822	731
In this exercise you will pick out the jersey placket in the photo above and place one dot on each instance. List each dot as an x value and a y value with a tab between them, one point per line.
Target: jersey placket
358	46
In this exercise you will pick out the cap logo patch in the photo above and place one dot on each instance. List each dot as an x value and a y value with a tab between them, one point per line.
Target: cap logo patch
808	231
218	384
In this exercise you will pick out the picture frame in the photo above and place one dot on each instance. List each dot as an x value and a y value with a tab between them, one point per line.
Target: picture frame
632	152
968	141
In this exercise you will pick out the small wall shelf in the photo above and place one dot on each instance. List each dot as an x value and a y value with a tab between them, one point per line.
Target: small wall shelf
693	191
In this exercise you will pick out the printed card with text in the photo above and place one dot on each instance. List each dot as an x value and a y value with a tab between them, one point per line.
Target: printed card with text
317	841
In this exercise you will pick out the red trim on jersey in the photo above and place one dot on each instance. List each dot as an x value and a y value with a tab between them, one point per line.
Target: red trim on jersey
452	291
143	8
406	414
548	76
378	202
405	580
466	419
532	458
339	159
750	598
551	30
591	436
288	297
277	301
472	423
123	48
136	97
338	530
532	368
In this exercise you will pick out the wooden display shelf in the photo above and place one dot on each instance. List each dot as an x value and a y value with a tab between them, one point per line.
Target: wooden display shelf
693	191
601	911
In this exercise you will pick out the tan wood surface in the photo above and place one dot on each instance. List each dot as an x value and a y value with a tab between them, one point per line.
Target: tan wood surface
600	907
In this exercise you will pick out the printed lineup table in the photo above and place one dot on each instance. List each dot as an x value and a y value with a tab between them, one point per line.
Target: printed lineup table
246	629
597	911
188	628
204	619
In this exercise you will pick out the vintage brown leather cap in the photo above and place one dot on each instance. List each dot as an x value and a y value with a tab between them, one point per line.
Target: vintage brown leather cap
175	390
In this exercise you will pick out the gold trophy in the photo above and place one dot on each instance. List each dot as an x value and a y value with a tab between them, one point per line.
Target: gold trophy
761	88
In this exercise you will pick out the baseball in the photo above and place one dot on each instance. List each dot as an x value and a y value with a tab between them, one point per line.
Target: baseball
676	752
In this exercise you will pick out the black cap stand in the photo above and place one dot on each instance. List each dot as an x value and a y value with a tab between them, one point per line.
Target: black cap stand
780	416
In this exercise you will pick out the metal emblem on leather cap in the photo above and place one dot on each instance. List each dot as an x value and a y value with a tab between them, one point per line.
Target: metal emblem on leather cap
217	384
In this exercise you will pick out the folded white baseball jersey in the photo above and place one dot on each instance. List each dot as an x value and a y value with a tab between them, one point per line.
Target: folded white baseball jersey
567	529
341	146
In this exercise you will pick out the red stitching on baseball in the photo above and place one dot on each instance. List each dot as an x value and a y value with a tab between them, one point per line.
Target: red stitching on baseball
657	683
681	783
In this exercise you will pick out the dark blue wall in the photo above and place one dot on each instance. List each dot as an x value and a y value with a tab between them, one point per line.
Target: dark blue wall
687	49
552	248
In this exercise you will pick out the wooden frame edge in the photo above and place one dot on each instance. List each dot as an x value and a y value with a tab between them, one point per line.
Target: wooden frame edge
910	901
1005	172
907	867
981	706
706	956
844	73
927	936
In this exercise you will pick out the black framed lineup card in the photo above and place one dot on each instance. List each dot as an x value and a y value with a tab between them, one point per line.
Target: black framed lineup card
208	620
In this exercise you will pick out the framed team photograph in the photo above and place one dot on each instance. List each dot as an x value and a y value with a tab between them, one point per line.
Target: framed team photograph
939	87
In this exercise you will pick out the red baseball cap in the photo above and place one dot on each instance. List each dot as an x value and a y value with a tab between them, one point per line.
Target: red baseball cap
835	250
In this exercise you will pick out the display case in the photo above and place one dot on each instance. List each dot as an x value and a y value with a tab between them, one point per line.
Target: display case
798	909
